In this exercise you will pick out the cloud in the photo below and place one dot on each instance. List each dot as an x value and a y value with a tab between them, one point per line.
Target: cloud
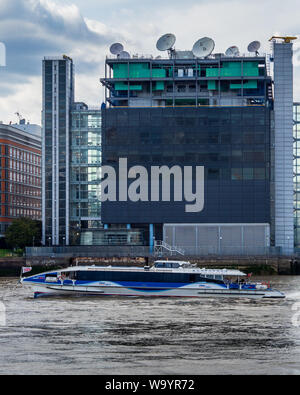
32	29
84	30
26	100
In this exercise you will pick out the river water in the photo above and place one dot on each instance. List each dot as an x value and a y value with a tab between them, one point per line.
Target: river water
150	336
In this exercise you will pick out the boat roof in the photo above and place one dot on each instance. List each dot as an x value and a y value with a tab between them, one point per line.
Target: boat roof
179	262
223	272
204	271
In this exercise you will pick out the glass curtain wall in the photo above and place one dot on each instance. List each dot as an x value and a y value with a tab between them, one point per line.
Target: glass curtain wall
296	134
233	145
86	157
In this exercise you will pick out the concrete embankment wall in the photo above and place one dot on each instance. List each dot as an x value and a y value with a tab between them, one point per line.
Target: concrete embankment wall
11	266
255	265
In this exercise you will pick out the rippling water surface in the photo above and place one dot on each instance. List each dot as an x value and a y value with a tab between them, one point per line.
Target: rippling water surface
150	336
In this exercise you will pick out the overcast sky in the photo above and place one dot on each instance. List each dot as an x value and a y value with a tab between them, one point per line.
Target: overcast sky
84	30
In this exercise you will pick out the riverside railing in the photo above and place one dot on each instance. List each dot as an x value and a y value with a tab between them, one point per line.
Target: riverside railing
144	251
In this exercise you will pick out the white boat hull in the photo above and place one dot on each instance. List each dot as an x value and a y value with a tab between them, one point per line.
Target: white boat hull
186	291
148	282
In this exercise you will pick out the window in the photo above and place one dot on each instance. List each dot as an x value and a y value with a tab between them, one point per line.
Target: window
248	173
236	174
94	121
259	173
213	174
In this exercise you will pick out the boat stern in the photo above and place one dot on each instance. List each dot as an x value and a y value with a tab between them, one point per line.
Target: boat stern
274	294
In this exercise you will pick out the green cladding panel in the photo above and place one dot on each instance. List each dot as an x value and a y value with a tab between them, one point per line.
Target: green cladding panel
231	69
247	85
121	86
211	85
251	69
159	86
139	70
136	87
235	86
212	72
136	70
159	73
120	70
234	69
228	69
250	84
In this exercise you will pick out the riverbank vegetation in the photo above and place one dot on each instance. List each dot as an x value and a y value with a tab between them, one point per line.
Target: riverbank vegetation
23	232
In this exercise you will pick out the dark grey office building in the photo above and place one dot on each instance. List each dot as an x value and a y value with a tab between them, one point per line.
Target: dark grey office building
58	97
216	112
233	145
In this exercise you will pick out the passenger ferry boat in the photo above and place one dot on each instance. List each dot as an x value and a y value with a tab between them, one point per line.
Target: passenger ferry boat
163	279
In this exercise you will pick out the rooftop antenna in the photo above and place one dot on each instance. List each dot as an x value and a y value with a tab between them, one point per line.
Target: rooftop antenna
116	49
21	119
166	43
203	47
233	51
18	115
254	47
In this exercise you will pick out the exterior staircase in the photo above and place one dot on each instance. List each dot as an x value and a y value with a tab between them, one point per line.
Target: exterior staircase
161	248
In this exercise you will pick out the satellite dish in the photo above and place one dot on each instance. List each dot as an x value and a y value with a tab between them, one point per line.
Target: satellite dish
124	55
232	51
166	42
203	47
116	49
254	47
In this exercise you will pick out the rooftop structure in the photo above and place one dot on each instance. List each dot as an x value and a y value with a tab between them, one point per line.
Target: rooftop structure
28	127
183	79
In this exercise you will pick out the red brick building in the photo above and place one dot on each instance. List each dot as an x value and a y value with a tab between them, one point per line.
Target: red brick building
21	175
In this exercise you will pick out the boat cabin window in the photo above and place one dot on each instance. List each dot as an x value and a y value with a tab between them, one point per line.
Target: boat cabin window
51	277
167	265
54	275
141	276
69	275
193	278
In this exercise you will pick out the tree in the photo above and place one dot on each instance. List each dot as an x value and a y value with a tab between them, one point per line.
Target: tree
23	232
